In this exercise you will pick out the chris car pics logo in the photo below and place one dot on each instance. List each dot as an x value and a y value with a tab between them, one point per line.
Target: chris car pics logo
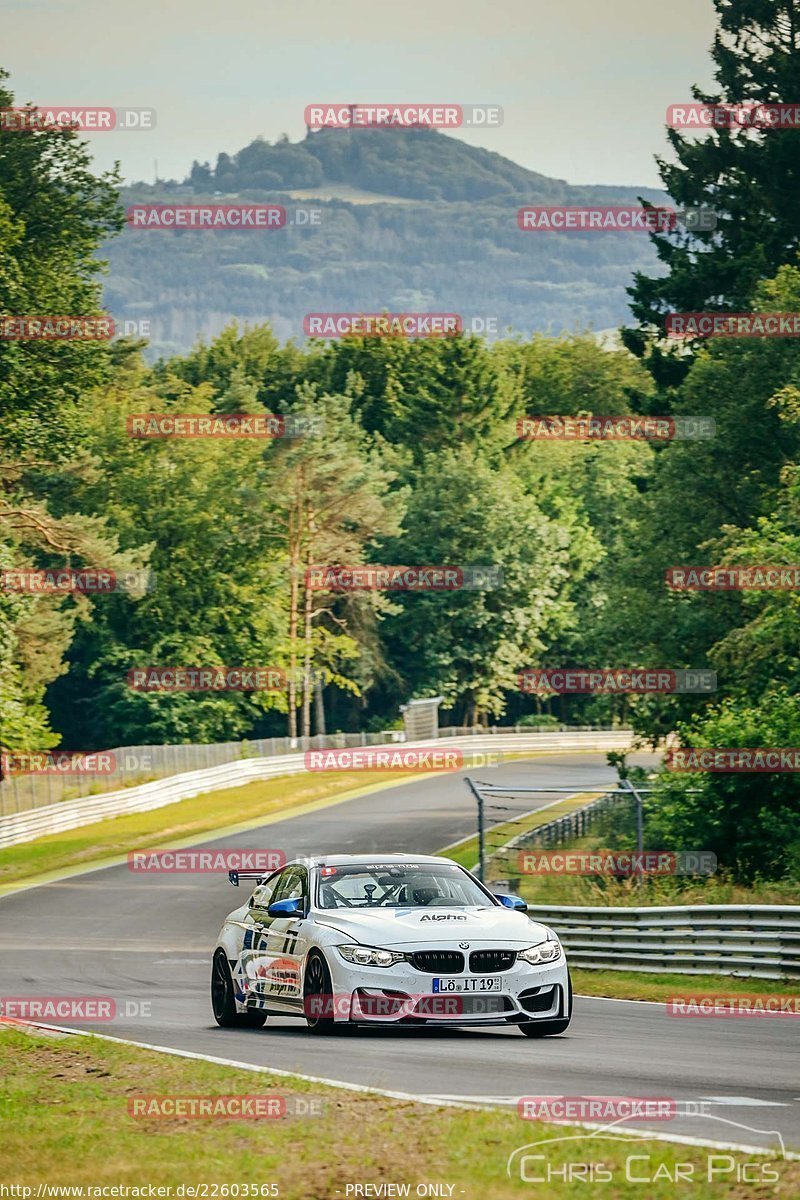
609	1154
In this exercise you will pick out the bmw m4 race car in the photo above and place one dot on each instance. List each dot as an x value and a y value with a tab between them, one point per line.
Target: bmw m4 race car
386	939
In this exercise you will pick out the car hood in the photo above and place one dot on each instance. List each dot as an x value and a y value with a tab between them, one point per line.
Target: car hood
412	926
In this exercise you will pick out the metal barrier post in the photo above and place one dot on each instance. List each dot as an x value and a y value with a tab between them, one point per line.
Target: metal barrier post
626	783
481	856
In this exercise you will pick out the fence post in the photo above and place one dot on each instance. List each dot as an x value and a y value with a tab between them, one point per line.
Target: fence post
481	854
626	783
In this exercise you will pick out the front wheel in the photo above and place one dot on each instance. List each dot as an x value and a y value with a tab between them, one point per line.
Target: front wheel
318	996
223	1001
537	1029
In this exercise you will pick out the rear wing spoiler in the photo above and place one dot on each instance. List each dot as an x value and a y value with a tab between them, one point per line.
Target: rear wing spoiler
235	876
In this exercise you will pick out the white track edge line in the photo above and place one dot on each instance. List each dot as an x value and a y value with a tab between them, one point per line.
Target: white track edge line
232	1062
620	999
681	1139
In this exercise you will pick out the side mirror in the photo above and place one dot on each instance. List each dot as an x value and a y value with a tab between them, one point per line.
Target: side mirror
286	908
515	902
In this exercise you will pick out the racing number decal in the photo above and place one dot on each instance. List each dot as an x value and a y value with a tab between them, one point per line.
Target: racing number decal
254	939
290	942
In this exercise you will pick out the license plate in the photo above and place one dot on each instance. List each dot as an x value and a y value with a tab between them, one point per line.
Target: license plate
486	983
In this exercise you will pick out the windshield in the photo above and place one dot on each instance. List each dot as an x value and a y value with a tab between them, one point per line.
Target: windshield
393	885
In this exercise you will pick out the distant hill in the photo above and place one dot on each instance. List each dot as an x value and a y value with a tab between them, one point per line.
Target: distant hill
410	219
414	164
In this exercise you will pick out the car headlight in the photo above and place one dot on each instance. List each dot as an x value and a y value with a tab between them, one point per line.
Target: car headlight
545	952
371	956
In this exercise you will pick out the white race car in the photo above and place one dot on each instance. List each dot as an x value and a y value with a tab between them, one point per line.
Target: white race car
393	938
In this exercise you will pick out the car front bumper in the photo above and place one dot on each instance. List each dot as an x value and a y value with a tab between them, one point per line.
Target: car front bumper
403	995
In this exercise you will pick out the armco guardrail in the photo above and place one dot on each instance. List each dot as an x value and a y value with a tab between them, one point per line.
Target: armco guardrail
141	764
759	940
70	814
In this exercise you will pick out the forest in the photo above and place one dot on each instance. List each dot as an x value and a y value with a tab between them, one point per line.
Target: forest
406	451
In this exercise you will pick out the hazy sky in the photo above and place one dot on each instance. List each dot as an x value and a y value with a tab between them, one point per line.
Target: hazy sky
584	83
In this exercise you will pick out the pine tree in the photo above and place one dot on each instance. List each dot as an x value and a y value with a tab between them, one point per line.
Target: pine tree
749	177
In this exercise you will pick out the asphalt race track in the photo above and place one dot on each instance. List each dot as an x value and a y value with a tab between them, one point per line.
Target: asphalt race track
148	938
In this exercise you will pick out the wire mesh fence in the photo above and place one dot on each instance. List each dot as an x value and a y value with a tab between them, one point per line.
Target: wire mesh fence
579	845
595	817
507	825
129	765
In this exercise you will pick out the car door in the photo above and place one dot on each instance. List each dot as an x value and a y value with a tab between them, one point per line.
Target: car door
246	973
282	942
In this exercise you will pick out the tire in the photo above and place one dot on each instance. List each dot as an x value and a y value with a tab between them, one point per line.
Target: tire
317	983
538	1029
223	1002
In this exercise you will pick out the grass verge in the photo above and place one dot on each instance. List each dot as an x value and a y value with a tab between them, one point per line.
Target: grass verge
640	985
466	852
645	891
66	1122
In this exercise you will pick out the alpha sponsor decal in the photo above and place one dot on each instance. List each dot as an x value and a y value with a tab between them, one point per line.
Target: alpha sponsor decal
443	917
